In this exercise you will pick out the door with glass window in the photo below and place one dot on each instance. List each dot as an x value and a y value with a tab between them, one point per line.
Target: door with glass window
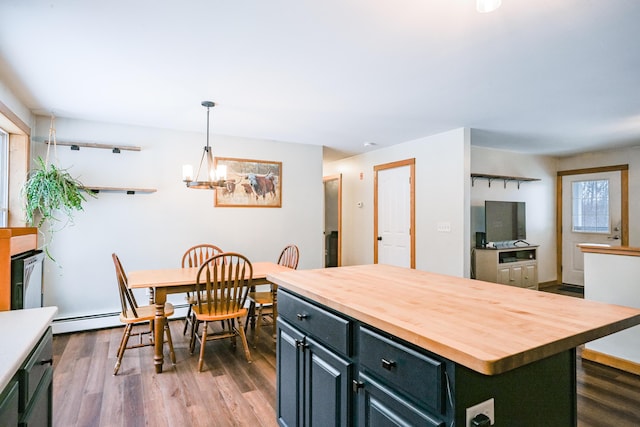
591	214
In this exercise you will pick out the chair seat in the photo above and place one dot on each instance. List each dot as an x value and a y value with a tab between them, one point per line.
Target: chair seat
261	298
217	313
145	313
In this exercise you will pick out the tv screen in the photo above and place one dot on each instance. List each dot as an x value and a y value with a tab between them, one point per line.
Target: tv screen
504	221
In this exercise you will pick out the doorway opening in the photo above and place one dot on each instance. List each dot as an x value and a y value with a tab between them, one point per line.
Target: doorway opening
332	220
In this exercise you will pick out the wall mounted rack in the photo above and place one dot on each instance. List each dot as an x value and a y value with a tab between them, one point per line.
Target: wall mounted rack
503	178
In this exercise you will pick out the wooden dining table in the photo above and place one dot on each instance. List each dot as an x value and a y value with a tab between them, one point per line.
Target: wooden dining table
181	280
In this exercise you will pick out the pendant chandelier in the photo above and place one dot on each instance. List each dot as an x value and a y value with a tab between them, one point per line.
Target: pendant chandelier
213	177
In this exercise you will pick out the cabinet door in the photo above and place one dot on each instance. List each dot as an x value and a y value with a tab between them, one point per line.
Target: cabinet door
516	275
328	379
530	276
380	406
289	375
9	404
39	412
504	275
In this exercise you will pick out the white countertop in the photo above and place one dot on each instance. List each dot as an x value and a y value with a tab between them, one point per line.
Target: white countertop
20	331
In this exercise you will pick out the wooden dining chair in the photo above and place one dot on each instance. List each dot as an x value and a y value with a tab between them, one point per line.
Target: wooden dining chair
221	290
195	256
264	304
132	314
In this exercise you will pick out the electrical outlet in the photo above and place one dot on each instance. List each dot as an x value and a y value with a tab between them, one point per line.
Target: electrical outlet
485	407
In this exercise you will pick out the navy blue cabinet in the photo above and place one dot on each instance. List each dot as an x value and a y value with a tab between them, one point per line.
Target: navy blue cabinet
314	380
333	370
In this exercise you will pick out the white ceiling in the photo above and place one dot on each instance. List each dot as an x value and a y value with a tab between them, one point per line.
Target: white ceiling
536	76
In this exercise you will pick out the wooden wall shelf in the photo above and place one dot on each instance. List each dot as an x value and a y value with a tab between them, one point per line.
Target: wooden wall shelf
503	178
128	190
114	148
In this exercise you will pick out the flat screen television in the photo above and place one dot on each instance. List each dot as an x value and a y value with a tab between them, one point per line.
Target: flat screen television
504	221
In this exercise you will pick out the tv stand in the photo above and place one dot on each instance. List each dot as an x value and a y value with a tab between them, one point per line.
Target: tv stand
514	266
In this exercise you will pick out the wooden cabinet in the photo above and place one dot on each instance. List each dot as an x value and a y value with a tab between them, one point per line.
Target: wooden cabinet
509	266
314	380
13	241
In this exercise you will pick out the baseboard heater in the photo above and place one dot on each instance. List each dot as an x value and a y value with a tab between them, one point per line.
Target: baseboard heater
88	322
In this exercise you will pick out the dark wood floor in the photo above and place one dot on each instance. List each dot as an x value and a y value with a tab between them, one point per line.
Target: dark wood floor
233	393
229	391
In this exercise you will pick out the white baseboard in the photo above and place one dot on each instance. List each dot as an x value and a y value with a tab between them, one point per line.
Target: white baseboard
98	321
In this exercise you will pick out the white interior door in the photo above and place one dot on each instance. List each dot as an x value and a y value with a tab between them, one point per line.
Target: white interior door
394	216
585	219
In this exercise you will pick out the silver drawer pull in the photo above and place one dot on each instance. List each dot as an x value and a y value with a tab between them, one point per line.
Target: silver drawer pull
388	364
302	316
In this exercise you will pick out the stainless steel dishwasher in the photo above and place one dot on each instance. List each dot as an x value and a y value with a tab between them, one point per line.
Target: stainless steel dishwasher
26	280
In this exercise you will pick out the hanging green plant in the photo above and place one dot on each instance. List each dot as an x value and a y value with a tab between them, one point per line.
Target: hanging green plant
49	190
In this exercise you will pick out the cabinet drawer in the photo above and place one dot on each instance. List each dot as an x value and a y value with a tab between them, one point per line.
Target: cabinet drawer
324	326
40	360
407	370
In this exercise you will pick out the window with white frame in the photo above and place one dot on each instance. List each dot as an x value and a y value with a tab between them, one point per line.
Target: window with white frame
4	178
590	204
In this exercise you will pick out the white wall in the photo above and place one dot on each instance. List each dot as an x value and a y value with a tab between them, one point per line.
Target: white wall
15	105
539	197
442	195
613	279
630	156
153	230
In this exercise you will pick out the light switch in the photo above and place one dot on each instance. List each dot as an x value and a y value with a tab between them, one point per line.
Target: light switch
444	227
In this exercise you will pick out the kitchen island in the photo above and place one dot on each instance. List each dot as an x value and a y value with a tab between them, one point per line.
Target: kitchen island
381	344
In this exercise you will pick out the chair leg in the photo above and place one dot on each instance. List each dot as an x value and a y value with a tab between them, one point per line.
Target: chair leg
123	346
251	312
172	353
195	325
243	337
124	335
187	320
259	319
203	343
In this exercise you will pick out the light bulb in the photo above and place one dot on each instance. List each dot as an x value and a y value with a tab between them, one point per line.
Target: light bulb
187	173
221	171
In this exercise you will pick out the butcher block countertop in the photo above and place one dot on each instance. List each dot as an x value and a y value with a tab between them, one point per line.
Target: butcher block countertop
484	326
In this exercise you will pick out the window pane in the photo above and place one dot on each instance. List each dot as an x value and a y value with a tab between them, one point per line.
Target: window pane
590	202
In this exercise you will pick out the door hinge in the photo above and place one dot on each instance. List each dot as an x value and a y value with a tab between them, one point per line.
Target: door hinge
357	385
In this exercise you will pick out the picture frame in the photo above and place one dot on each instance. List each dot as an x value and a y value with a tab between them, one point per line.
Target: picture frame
250	183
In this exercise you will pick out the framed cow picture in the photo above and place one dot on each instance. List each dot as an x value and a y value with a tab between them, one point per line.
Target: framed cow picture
250	184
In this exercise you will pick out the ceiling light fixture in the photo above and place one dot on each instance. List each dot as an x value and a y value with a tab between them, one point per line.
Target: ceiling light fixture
484	6
215	177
